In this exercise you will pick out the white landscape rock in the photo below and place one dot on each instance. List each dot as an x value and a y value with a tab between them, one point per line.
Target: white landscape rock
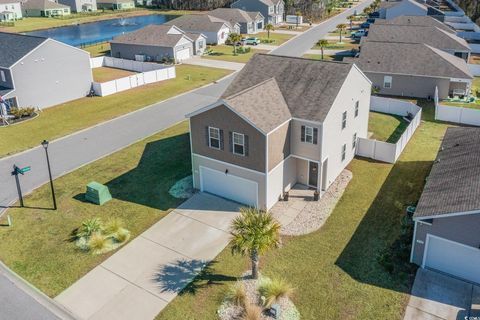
182	189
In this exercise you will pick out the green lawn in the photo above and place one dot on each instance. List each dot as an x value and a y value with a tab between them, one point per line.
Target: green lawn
224	52
386	127
104	74
70	117
335	269
101	49
279	38
38	248
346	44
39	23
326	57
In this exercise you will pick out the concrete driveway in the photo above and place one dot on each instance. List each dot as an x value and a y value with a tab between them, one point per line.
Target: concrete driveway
140	279
437	296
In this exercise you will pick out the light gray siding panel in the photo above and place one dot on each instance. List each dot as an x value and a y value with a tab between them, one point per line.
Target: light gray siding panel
462	229
128	51
278	145
52	74
303	149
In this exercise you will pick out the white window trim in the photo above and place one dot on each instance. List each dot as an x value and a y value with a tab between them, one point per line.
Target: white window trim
389	82
210	137
344	121
308	135
234	143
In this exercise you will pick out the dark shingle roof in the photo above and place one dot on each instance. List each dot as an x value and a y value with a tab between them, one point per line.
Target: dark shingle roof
4	91
15	46
432	36
419	21
454	181
411	59
152	35
199	22
232	15
309	87
274	110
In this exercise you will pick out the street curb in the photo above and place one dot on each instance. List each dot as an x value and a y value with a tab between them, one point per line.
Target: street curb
44	300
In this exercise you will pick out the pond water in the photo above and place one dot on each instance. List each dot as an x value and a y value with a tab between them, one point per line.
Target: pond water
89	33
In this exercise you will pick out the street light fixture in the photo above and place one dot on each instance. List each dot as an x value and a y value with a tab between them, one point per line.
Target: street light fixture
45	146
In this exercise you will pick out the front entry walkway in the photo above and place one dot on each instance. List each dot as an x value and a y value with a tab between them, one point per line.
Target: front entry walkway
139	280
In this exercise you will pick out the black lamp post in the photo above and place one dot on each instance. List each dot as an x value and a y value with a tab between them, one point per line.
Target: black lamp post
45	146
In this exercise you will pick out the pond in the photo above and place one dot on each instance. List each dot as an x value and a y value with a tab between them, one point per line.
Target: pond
89	33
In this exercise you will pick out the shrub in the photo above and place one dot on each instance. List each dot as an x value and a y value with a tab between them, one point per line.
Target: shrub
252	312
98	243
18	113
89	227
121	235
113	225
237	294
274	289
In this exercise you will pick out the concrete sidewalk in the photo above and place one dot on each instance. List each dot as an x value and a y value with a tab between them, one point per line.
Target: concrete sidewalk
199	61
140	279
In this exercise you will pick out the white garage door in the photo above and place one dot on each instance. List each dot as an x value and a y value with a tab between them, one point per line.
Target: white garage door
453	258
183	54
228	186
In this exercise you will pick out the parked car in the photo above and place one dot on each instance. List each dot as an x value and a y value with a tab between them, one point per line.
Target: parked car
375	14
365	25
371	20
252	41
360	33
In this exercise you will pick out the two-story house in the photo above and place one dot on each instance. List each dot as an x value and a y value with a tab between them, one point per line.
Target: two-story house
10	10
282	121
272	10
250	22
42	72
80	5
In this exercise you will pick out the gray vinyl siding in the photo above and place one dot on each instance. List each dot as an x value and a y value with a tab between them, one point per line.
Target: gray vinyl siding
51	74
252	5
304	149
128	51
78	5
410	86
462	229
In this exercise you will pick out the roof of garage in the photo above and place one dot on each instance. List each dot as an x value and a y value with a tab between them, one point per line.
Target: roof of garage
152	35
453	185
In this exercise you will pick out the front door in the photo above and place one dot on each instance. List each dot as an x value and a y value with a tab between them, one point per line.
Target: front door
312	174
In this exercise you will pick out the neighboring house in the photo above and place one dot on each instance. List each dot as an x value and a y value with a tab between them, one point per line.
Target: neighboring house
115	4
42	72
418	21
392	9
432	36
155	43
282	121
447	217
250	22
44	8
199	42
10	10
413	70
216	30
80	5
272	10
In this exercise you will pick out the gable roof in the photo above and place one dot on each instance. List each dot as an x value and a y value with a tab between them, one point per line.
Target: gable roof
309	87
422	60
273	112
254	15
9	1
43	5
18	46
199	22
152	35
232	15
453	185
433	36
419	21
390	4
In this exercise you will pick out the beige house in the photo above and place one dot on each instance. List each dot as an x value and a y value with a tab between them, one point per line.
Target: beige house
447	217
282	121
413	70
44	8
116	4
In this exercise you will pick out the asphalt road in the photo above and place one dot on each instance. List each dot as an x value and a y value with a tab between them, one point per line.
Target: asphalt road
17	301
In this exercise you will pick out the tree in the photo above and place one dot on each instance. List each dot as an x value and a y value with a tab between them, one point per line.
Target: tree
322	43
367	10
341	27
253	233
269	27
234	38
298	13
351	18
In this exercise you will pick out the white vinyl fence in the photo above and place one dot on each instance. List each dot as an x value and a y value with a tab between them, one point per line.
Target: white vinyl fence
148	73
454	114
385	151
474	69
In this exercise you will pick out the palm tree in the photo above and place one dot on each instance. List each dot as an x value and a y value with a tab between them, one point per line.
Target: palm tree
322	43
341	27
234	38
253	233
269	27
298	13
351	18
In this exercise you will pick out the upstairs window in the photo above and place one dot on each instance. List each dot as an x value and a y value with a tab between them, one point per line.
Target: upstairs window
354	141
344	120
357	104
344	152
309	134
387	82
238	144
214	138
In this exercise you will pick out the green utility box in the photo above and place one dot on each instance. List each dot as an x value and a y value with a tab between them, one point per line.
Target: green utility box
97	193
